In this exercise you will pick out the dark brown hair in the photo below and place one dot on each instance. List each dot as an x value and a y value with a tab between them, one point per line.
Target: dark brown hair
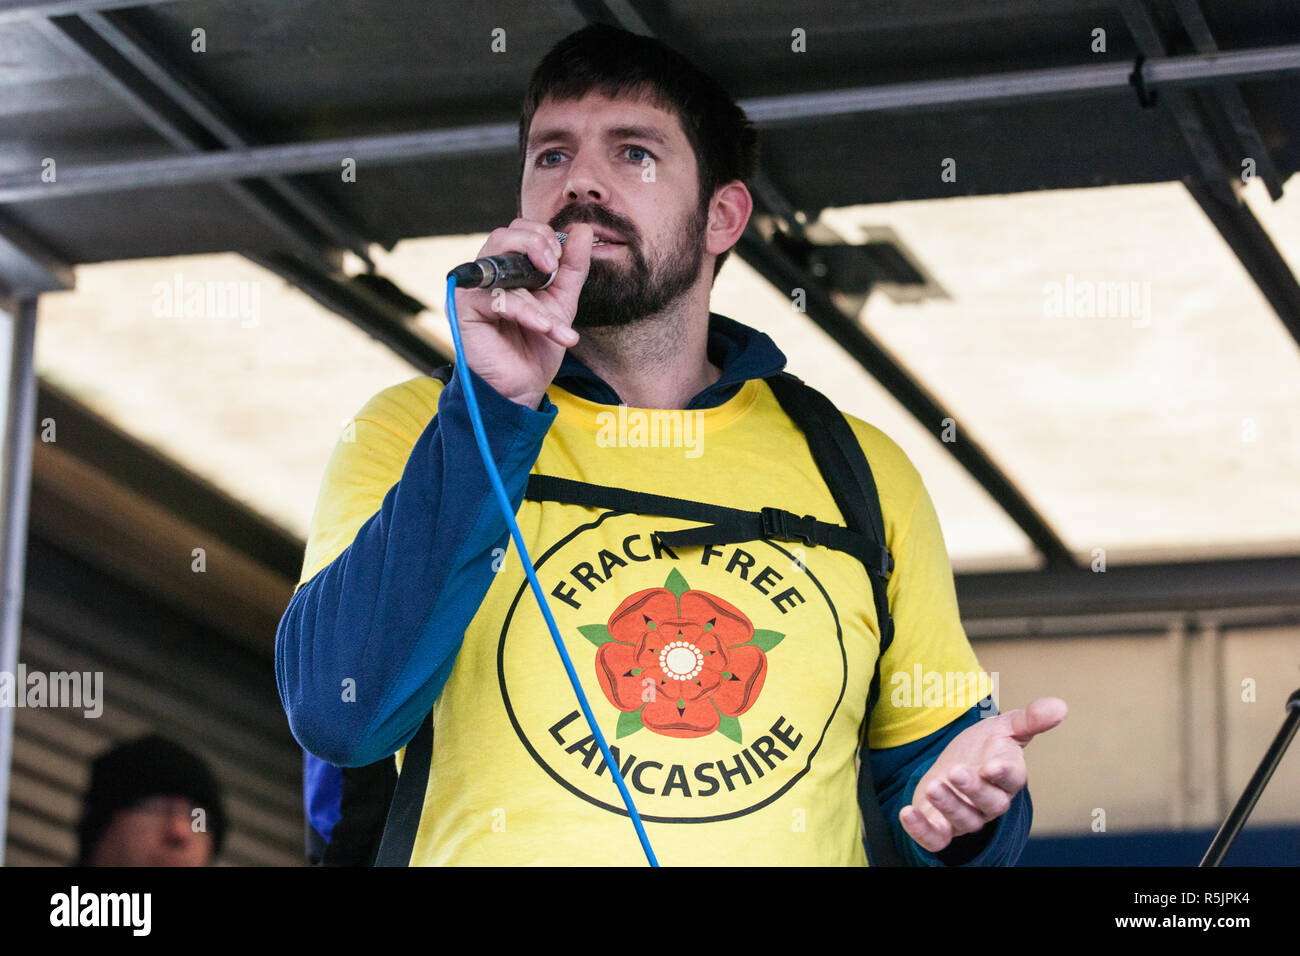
604	59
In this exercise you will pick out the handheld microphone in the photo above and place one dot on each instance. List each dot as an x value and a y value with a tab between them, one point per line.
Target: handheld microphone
505	270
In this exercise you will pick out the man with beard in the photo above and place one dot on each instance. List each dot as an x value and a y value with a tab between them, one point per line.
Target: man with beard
733	682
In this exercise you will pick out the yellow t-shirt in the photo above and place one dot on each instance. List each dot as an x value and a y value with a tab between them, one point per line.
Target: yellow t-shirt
730	681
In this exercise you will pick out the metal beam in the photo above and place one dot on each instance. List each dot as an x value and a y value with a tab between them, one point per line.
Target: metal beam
260	161
1229	99
1253	246
82	511
27	266
1179	103
1174	587
1179	71
169	121
1218	192
193	122
18	418
17	10
137	467
1243	620
317	156
171	86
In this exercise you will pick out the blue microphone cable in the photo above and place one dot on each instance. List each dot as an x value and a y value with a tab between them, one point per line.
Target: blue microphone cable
504	500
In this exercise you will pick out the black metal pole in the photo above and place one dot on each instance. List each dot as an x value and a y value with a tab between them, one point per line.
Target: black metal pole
1237	818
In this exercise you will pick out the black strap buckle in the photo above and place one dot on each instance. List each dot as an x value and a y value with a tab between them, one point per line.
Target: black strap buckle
781	524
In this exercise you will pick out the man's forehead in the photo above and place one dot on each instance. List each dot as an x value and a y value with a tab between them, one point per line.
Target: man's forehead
574	116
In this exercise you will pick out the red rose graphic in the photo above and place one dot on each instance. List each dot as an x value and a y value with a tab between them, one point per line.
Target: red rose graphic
694	651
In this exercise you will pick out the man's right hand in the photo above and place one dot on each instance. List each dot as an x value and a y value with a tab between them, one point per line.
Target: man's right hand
515	339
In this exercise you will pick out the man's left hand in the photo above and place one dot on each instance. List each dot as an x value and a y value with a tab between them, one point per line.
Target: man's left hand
977	774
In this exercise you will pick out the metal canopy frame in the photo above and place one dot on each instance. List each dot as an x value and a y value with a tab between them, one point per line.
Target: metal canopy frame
213	150
1198	88
219	165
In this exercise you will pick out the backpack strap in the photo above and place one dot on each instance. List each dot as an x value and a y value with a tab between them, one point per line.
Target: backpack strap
408	799
847	473
722	525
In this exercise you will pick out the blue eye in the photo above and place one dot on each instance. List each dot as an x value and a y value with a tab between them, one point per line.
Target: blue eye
639	149
542	156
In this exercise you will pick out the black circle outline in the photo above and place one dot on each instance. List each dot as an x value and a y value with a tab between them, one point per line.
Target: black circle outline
622	811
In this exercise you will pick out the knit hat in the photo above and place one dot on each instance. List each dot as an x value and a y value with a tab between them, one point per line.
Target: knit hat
147	767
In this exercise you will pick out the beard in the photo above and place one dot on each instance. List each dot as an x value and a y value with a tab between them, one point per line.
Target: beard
618	293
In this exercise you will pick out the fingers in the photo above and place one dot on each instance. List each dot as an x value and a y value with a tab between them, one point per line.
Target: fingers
931	830
518	306
1039	717
521	306
544	231
960	815
1006	775
985	791
960	802
534	239
573	266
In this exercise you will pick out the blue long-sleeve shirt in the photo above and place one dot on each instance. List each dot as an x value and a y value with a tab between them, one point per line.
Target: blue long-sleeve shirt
422	558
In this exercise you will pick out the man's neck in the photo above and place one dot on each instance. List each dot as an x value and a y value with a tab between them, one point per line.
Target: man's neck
660	361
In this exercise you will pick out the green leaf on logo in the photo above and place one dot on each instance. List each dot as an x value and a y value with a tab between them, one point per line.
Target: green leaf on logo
729	727
766	640
628	723
598	634
677	584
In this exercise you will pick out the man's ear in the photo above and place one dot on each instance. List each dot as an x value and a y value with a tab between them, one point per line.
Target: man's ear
728	216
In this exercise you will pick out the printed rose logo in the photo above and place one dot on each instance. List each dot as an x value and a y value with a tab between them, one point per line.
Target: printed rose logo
683	663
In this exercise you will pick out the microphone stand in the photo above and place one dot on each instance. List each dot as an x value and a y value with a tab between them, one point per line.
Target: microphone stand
1237	818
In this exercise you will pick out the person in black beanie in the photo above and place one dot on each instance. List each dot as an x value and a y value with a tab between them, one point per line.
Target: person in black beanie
151	802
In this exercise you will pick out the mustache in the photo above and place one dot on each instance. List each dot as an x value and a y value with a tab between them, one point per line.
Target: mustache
595	216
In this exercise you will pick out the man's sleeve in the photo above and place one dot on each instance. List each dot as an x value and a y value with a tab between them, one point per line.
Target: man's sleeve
897	772
399	559
931	688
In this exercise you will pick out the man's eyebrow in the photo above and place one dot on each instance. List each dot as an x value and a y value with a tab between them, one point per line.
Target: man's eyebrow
556	135
638	132
562	135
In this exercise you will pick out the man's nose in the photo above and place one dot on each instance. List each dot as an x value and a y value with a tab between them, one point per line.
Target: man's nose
180	827
584	183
